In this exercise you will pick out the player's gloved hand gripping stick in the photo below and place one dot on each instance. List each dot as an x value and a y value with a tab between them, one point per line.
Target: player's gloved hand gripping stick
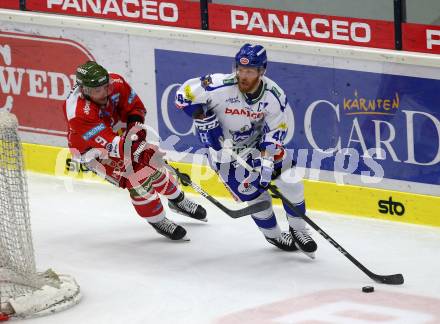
395	279
186	181
137	132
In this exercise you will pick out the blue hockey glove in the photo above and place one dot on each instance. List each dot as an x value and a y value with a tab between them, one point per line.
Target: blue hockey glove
266	170
210	132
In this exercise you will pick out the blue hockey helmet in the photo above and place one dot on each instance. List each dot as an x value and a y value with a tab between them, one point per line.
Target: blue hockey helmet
251	56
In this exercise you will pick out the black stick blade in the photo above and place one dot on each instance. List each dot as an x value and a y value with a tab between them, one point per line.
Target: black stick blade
260	206
184	178
395	279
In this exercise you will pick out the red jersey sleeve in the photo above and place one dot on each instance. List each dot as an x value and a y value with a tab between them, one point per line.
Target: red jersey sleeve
129	104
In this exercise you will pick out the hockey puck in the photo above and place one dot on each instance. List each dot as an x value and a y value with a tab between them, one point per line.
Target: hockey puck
367	289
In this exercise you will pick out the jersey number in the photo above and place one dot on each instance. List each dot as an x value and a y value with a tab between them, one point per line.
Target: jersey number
101	140
180	98
279	135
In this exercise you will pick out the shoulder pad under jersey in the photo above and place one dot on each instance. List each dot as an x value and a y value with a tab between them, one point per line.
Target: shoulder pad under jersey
218	80
276	91
196	91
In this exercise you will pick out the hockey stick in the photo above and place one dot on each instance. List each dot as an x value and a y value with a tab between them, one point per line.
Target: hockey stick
186	181
394	279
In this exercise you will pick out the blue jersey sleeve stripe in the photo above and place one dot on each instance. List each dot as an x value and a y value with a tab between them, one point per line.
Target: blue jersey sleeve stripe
221	86
282	107
190	109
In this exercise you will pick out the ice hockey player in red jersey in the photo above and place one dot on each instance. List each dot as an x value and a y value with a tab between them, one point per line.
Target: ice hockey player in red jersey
106	132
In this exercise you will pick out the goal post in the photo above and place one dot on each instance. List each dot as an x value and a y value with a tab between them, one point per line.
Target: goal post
24	292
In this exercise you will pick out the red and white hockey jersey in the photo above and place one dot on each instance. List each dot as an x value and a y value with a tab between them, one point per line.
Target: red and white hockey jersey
91	126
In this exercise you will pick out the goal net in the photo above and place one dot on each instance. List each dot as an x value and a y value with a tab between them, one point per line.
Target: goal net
24	292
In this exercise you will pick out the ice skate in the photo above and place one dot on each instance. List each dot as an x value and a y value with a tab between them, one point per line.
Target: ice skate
170	230
186	207
284	242
304	242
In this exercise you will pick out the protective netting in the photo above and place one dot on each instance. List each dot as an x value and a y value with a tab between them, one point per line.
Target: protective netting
17	263
23	291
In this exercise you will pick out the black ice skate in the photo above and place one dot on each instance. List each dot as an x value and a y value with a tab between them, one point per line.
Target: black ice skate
284	242
304	242
186	207
170	229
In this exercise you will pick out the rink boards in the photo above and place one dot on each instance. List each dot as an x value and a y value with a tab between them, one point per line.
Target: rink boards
364	124
320	195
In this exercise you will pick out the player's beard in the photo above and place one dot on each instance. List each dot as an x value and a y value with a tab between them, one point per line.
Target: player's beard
248	85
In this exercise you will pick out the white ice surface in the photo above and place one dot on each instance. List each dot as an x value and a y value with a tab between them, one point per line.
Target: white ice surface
130	274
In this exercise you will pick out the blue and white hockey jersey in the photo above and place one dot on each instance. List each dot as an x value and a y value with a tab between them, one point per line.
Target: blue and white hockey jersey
248	123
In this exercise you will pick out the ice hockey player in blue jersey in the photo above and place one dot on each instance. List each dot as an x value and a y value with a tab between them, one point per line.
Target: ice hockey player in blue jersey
246	110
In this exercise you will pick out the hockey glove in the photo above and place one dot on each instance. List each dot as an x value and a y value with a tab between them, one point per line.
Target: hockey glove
136	128
147	154
266	170
210	132
146	161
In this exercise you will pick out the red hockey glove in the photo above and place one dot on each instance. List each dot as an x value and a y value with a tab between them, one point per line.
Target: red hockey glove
146	161
136	129
147	154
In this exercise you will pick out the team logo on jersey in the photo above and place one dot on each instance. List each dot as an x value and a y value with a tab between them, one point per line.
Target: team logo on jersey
242	134
246	188
244	61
